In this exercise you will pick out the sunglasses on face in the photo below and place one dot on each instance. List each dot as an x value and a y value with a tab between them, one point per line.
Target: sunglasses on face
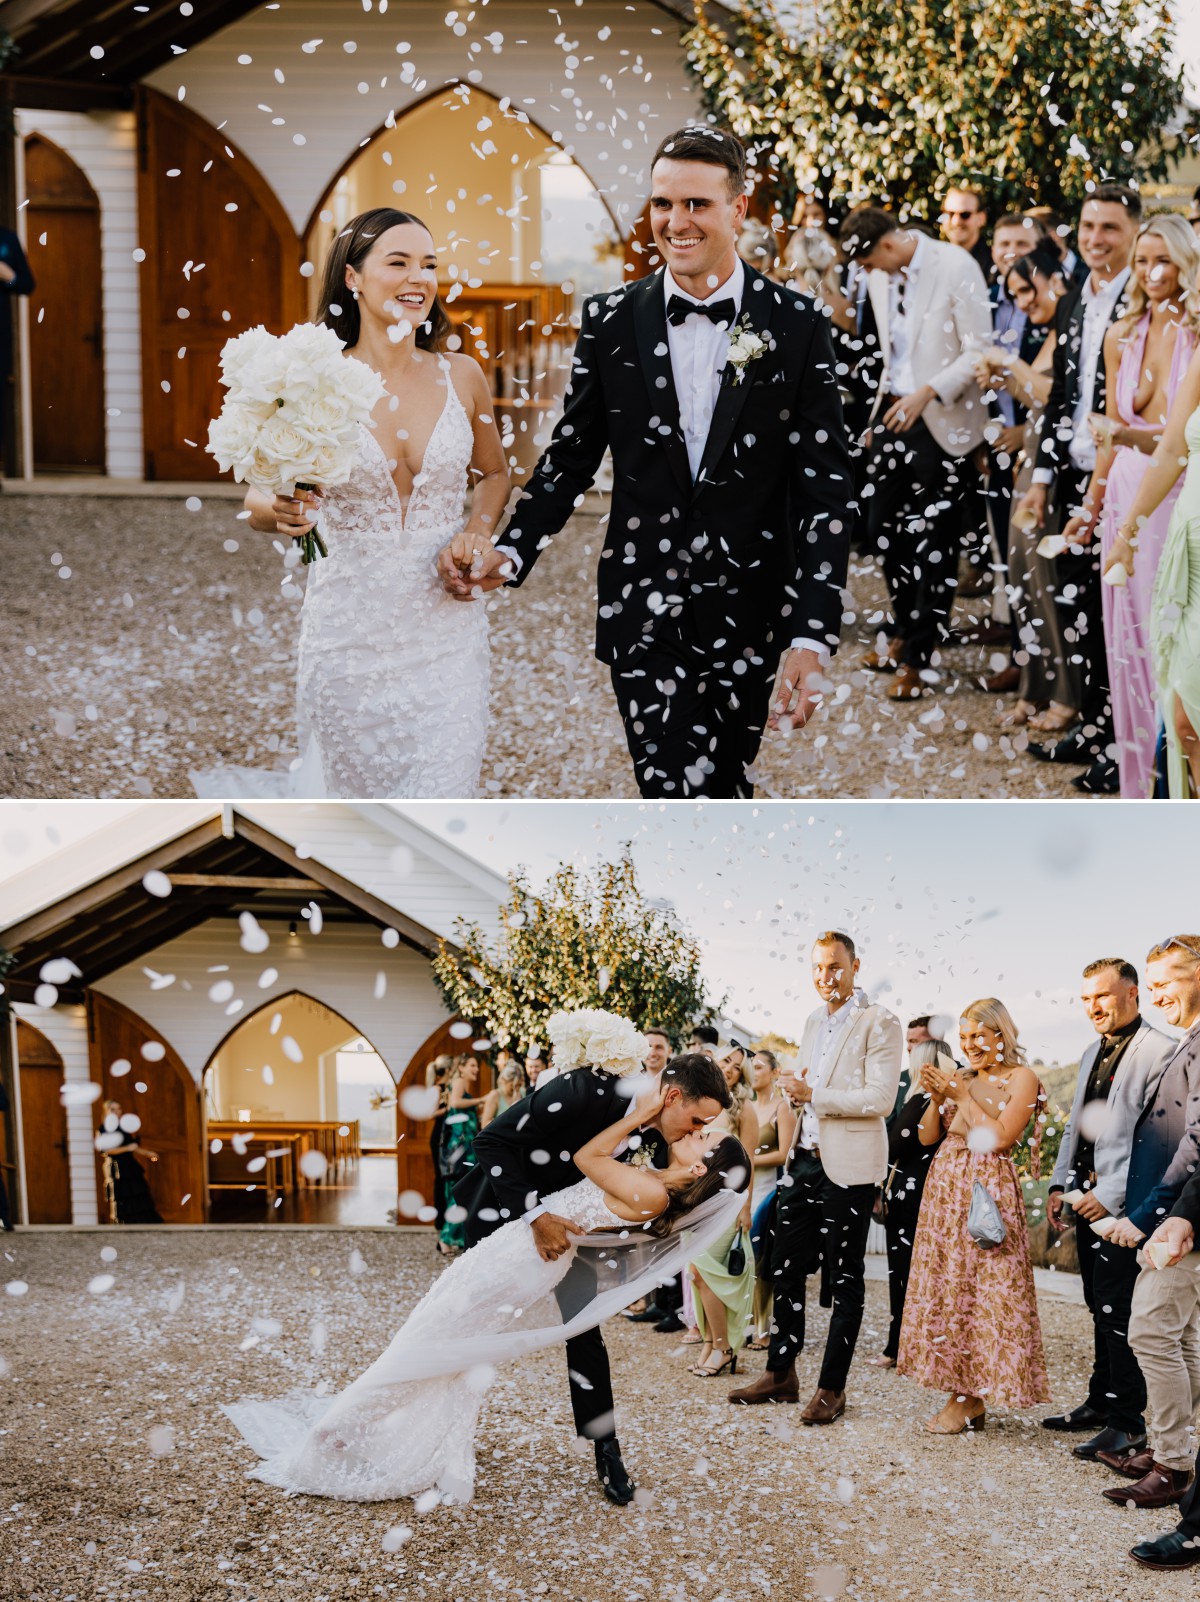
1179	940
962	216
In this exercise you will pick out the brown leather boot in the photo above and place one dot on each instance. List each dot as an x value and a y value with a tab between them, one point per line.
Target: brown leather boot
769	1387
1131	1464
824	1407
908	685
1159	1488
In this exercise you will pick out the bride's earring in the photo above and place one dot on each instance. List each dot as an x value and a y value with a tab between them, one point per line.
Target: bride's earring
354	292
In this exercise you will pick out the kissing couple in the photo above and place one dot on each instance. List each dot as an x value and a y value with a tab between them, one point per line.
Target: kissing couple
583	1198
720	584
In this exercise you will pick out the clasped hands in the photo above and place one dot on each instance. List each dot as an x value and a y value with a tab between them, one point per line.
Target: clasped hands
797	1089
471	565
942	1082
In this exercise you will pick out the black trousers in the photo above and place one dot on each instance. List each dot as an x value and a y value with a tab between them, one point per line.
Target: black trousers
819	1227
694	723
1117	1388
900	1226
1079	599
590	1378
915	504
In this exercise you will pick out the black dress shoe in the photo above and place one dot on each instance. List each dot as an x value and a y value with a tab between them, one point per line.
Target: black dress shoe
1084	1417
1073	747
670	1324
1102	778
648	1315
611	1473
1108	1440
1170	1551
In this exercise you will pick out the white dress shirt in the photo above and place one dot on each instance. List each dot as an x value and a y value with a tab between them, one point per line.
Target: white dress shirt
1098	307
829	1037
901	289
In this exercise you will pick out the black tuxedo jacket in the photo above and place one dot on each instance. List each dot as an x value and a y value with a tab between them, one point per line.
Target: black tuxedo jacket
1054	448
526	1152
759	543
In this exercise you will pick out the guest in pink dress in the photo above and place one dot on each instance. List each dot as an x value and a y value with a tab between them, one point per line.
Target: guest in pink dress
1146	355
970	1318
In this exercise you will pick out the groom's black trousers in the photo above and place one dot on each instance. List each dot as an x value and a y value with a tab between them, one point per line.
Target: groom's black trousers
694	710
819	1226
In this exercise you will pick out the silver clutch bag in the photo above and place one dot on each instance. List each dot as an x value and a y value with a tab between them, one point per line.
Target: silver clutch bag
984	1222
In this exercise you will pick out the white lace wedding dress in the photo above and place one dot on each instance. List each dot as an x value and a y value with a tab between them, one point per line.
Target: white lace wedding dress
392	680
400	1429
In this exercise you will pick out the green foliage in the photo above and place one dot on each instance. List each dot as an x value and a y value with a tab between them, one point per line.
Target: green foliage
867	98
588	940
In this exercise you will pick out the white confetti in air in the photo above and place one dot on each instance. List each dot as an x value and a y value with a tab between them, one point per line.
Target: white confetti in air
291	1049
396	1537
318	1337
400	861
267	1327
156	883
380	989
982	1140
267	978
1093	1120
419	1102
80	1095
161	1440
16	1287
427	1501
120	1068
221	992
411	1204
100	1283
154	1051
358	1263
130	1123
45	996
845	1490
313	1165
390	939
59	971
255	938
108	1254
829	1581
175	1299
461	1030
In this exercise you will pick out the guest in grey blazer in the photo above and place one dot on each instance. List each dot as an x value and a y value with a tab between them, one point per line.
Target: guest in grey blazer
1118	1075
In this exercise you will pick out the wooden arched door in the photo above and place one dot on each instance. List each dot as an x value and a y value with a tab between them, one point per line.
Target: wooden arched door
221	256
66	325
161	1091
43	1130
414	1159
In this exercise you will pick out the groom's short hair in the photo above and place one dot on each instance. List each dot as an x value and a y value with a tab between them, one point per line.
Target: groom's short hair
863	229
698	1077
715	146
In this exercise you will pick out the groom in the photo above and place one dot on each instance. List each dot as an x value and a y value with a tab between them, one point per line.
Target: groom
525	1154
728	537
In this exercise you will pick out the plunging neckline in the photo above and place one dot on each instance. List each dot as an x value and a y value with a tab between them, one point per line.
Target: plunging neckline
401	510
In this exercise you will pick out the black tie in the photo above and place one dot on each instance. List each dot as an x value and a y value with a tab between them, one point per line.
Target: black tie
717	311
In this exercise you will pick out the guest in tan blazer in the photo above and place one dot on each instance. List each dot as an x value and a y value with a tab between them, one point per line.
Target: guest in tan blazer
851	1054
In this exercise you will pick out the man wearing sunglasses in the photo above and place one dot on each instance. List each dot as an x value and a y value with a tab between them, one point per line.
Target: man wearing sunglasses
1164	1325
964	222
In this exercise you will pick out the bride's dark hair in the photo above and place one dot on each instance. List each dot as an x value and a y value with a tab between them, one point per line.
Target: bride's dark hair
728	1168
351	247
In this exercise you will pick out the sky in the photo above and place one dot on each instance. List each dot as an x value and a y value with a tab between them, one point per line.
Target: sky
948	901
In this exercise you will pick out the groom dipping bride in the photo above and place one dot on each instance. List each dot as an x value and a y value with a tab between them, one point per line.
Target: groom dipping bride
572	1159
728	537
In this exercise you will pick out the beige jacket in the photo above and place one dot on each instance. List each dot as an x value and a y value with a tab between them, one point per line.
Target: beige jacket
951	321
857	1095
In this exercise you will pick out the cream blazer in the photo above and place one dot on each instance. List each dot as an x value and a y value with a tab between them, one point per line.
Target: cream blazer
949	311
858	1094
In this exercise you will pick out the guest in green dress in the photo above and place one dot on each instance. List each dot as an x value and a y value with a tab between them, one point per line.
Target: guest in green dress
458	1145
724	1299
1175	615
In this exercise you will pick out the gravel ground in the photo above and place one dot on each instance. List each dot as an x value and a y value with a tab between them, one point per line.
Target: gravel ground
119	1477
143	639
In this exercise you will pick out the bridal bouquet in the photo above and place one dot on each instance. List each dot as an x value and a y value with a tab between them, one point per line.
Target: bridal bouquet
290	420
593	1038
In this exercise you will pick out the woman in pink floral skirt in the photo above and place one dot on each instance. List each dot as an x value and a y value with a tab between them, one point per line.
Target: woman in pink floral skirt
971	1321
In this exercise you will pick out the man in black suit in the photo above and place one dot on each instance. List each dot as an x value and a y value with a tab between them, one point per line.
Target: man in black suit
1108	226
728	537
525	1154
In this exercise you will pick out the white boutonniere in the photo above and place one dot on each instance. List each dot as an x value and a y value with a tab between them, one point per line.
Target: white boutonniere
643	1157
745	346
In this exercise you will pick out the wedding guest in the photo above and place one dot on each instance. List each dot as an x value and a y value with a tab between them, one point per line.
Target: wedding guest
1175	605
437	1074
1194	211
851	1053
659	1054
1050	688
908	1168
704	1039
927	311
971	1321
15	279
1146	355
662	1309
1075	269
1164	1324
1108	224
125	1185
721	1280
509	1088
756	245
1118	1075
964	223
776	1130
457	1152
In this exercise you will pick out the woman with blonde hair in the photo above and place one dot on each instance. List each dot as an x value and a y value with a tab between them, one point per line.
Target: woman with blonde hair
970	1318
1146	356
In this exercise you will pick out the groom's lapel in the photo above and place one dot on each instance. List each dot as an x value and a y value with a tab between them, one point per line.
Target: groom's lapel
758	303
650	326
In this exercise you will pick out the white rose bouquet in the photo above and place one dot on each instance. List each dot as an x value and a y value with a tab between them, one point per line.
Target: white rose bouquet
592	1038
290	420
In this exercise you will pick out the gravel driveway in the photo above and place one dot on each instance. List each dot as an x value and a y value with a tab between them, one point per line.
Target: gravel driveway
121	1479
143	639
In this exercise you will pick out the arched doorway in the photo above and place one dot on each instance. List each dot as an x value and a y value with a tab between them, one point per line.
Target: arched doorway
414	1157
43	1130
66	354
521	231
293	1078
134	1065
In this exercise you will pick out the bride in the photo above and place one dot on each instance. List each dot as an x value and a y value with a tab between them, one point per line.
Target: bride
392	681
407	1425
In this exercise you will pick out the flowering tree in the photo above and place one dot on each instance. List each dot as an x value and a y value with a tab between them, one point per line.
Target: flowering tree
588	940
868	98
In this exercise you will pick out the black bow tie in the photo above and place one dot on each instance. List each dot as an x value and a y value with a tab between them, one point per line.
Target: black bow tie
717	311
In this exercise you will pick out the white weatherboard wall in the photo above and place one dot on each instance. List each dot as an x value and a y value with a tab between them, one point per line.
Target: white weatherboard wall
340	967
66	1029
104	144
607	82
